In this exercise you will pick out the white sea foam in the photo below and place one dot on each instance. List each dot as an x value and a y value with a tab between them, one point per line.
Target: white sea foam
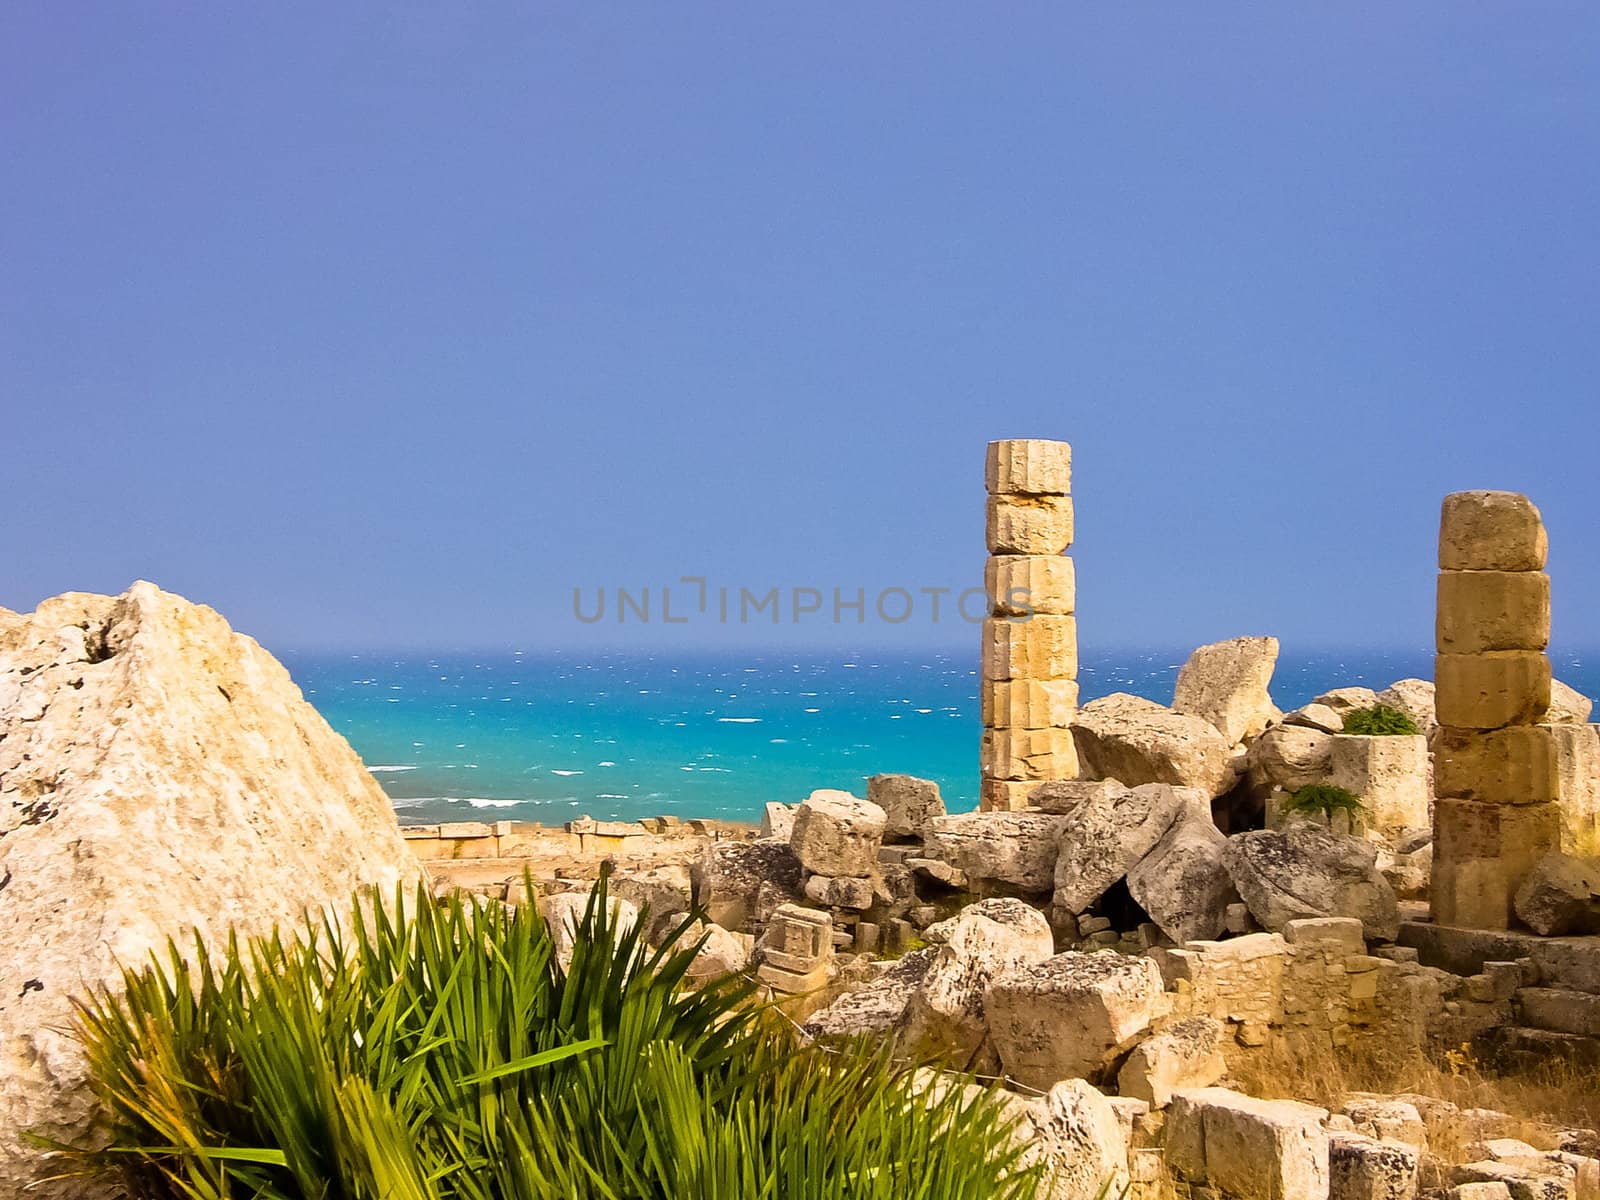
392	767
553	771
738	720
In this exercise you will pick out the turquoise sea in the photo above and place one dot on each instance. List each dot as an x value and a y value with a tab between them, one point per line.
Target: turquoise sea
546	737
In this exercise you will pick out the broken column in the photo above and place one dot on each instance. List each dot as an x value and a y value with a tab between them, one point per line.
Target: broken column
1029	688
1495	774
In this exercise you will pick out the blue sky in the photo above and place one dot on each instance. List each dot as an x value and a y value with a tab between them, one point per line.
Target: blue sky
388	328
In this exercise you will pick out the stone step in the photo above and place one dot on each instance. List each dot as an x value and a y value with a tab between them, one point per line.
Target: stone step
1559	1010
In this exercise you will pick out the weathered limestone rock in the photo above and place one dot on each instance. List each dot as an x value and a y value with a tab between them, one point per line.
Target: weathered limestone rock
1187	1055
1578	782
1347	700
1481	853
1183	883
777	820
1029	467
1568	706
1415	698
908	803
1248	1148
1491	531
1102	839
1077	1130
1492	610
1389	774
836	833
1028	754
1036	647
1070	1016
1015	848
1316	716
1028	703
1064	795
1006	795
160	776
667	891
1516	765
1288	758
1136	741
796	950
1363	1168
741	884
986	939
563	913
839	891
1387	1120
878	1008
1029	525
722	951
1494	689
1560	895
1226	684
1305	871
1019	585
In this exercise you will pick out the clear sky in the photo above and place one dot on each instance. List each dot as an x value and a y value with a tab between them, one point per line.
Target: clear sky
376	327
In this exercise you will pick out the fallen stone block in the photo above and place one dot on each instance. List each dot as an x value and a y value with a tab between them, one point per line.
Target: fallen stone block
1248	1148
836	833
1071	1015
1363	1168
1187	1055
1137	741
908	803
1560	895
1305	871
1015	848
1107	832
1226	684
1183	883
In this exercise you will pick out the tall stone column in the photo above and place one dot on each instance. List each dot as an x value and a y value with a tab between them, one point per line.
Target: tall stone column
1495	778
1029	684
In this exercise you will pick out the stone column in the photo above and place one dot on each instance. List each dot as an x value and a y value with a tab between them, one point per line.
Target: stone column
1029	681
1495	777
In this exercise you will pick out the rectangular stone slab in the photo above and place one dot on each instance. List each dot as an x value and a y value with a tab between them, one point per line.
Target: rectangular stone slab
1516	765
1492	610
1033	525
1028	466
1492	690
1019	584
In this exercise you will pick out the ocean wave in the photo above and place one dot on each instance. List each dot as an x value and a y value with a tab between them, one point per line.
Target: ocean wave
392	767
554	771
738	720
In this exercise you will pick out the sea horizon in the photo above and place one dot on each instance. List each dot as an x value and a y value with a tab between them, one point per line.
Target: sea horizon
553	734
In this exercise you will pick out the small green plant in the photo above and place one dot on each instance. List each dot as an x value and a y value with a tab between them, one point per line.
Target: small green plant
1379	721
1324	799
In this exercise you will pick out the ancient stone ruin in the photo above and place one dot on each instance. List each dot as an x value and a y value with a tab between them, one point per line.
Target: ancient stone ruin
1029	684
1495	777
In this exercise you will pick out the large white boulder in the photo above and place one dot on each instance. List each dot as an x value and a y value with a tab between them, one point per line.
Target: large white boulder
161	776
1134	740
835	833
946	1014
1226	684
1014	848
564	912
1103	836
1284	875
1248	1148
1182	883
1070	1016
1288	757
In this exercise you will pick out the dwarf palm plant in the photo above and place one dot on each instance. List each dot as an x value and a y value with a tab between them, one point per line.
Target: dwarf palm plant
440	1051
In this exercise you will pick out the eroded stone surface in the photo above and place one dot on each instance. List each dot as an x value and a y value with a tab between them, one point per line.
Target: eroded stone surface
1226	684
162	776
1183	883
1305	871
1103	838
1135	741
836	833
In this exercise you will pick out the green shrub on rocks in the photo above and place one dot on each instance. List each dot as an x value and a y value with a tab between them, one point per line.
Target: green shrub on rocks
440	1051
1379	721
1325	800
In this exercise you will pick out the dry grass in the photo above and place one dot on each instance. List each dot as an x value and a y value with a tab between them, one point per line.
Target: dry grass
1555	1093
